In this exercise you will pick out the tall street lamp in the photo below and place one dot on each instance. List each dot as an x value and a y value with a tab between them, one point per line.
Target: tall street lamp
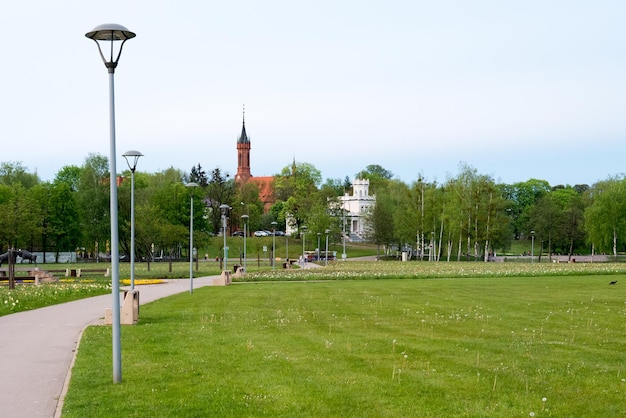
274	245
245	235
224	208
532	247
327	232
319	234
103	35
343	234
134	155
303	241
191	186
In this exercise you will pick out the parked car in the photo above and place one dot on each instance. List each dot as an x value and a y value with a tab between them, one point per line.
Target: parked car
280	233
238	234
260	233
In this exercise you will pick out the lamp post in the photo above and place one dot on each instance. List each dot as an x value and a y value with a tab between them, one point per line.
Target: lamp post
343	234
109	34
135	156
319	234
303	243
191	187
245	235
224	208
274	245
326	258
532	247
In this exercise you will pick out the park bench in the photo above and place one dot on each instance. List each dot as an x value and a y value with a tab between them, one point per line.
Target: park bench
90	272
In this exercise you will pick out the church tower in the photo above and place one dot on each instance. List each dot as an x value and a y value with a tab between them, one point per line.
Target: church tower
243	154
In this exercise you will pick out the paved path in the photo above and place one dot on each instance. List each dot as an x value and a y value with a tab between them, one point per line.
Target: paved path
37	348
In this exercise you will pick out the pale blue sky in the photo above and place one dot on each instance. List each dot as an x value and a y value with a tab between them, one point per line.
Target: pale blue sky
516	89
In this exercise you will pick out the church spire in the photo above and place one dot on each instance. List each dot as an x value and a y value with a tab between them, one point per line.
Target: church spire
243	138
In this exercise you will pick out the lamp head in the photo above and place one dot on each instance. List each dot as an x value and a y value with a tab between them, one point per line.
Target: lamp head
224	207
135	156
110	32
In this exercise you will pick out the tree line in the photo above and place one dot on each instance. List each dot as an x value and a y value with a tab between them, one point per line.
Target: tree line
467	217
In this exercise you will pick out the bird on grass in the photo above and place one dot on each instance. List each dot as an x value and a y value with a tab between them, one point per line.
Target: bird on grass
613	282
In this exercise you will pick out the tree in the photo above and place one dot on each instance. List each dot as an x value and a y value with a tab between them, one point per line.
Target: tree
198	176
63	222
297	186
605	223
380	221
220	190
546	220
12	173
70	175
377	175
522	196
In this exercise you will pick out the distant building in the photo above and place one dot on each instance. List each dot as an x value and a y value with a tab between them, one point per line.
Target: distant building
244	176
357	206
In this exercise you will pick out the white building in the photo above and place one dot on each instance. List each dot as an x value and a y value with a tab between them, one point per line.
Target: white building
357	206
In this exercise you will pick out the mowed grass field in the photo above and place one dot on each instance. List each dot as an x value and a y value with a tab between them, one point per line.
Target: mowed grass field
471	347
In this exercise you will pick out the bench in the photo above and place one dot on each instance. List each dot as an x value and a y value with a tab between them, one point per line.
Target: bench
89	272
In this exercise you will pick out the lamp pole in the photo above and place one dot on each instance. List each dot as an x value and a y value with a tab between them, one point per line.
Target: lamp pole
326	258
135	156
343	234
245	235
191	186
303	241
109	34
532	247
274	245
224	208
319	234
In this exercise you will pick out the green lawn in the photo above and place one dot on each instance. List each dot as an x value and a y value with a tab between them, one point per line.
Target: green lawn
474	347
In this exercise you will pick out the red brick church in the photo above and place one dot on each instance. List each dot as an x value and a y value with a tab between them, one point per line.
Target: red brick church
244	176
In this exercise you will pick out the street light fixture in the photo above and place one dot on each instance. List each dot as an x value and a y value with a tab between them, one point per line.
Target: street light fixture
274	223
135	156
224	208
245	235
327	232
111	33
191	186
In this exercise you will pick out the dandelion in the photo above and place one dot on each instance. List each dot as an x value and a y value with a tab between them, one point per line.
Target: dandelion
532	414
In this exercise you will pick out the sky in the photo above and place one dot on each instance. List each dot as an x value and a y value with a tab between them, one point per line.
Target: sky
515	89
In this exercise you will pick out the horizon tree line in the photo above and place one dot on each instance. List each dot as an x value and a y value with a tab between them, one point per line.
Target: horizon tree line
467	217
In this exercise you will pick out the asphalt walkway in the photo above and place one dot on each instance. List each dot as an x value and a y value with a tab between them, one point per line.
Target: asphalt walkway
37	348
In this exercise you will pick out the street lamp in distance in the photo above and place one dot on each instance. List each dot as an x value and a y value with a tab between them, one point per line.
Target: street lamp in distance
134	155
274	223
245	236
191	186
224	208
326	258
